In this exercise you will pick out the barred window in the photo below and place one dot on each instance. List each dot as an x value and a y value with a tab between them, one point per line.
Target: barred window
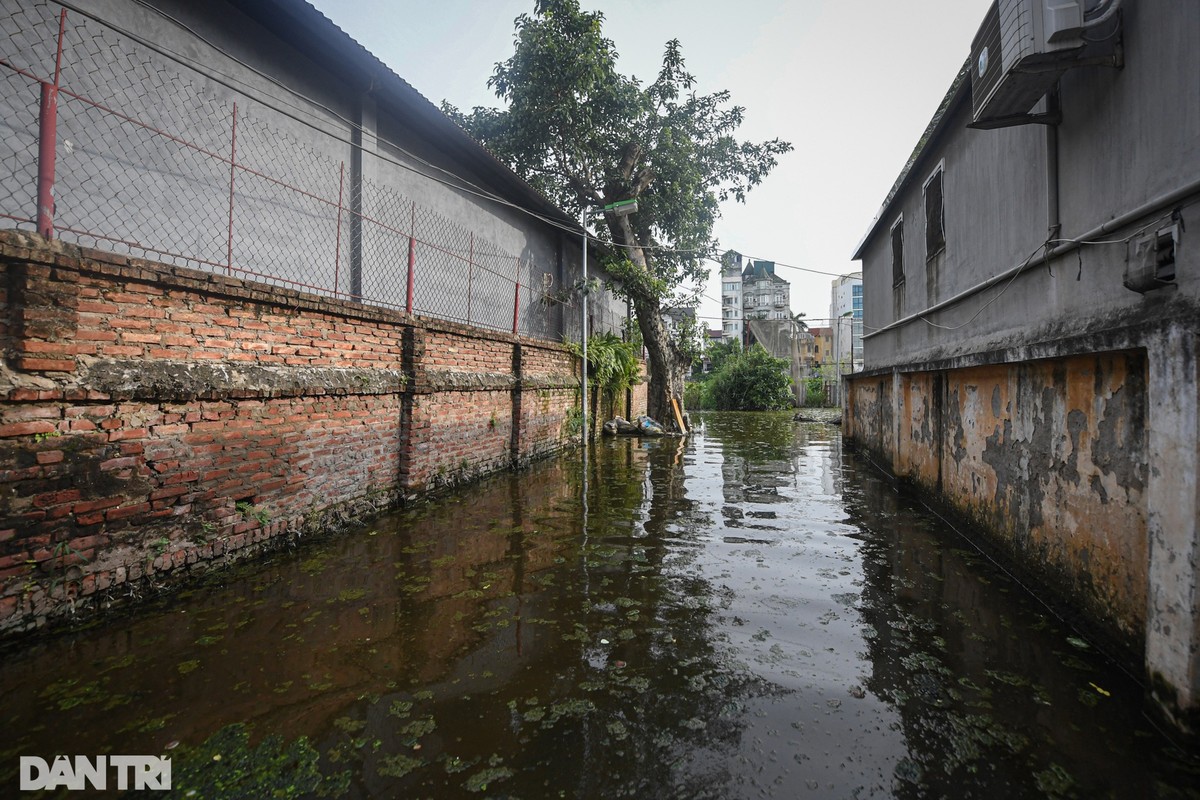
898	253
935	230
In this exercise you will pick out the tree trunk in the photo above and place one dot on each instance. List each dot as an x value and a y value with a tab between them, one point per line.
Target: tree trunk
667	365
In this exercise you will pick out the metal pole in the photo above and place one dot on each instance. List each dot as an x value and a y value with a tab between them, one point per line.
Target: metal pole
837	369
517	297
337	248
583	367
412	260
48	140
232	174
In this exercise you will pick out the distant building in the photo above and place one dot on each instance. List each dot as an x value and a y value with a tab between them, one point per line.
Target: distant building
731	296
751	290
822	346
846	317
765	295
676	318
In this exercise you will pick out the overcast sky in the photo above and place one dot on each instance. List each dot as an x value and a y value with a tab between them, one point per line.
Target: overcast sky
850	84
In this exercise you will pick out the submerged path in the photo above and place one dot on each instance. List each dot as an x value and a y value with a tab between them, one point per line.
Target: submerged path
749	612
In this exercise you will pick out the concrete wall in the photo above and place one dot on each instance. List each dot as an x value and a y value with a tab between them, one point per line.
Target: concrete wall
1127	136
1055	407
1050	457
157	419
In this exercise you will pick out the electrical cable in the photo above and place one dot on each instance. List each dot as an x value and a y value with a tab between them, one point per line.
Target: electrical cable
295	113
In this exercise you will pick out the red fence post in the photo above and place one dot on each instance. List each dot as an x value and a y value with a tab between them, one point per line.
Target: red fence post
337	248
48	140
232	169
47	144
412	263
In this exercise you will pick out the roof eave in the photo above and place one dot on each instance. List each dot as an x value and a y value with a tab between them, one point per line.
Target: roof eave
958	93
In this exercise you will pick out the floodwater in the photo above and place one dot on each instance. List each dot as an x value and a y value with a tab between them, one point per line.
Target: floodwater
750	612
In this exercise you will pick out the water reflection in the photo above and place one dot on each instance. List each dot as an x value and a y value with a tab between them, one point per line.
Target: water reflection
748	612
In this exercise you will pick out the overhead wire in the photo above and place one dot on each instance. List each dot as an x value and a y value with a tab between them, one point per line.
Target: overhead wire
306	117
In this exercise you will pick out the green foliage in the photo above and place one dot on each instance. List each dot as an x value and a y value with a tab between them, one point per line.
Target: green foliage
751	381
814	391
226	765
698	394
583	133
613	364
691	340
720	352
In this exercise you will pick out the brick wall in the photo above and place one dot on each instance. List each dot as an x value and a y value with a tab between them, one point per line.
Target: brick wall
155	418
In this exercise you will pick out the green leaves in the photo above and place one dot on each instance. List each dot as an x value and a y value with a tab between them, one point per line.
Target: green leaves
585	135
613	364
751	381
572	122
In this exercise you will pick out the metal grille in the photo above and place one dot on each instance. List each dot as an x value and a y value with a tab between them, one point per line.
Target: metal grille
152	159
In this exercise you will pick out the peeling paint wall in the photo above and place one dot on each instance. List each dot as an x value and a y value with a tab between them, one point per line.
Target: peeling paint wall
1049	457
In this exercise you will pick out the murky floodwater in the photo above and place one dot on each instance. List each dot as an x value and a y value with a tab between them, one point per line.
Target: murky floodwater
750	612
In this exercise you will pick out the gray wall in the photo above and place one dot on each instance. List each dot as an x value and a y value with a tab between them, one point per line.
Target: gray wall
1127	137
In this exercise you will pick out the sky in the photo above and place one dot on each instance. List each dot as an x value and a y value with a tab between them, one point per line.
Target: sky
851	85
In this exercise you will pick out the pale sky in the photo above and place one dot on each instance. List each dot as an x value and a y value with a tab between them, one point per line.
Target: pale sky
850	84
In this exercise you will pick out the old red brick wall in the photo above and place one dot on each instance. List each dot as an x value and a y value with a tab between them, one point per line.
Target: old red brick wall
154	418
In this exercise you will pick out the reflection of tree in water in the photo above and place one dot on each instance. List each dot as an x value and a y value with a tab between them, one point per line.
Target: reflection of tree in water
675	696
542	657
994	699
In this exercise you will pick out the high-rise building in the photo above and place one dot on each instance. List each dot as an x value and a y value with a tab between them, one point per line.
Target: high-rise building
731	296
846	318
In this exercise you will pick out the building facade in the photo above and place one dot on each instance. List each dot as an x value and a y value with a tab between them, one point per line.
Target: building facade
1033	303
278	149
252	268
765	295
732	318
846	316
750	290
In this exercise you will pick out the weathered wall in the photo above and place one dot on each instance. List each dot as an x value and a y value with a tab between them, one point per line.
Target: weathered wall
1048	457
154	418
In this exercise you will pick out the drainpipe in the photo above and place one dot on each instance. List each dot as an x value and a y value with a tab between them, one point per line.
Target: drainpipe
1053	219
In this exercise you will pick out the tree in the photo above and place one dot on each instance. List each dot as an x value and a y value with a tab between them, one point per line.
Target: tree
587	136
752	381
720	352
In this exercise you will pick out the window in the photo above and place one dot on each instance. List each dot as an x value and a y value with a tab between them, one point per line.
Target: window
935	229
898	253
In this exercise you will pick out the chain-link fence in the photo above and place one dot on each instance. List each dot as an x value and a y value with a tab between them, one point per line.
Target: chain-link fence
107	142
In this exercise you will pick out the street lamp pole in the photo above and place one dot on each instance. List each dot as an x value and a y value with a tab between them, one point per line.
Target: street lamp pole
583	367
619	209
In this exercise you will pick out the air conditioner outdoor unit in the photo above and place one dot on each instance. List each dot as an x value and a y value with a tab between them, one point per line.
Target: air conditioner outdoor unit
1021	49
